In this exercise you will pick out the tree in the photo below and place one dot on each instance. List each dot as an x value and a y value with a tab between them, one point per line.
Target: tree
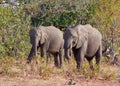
14	27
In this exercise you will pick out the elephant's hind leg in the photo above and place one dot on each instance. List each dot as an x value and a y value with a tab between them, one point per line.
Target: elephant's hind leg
98	56
89	59
61	54
56	59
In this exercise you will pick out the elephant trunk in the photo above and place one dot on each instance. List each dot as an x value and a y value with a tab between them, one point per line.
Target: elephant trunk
33	52
35	47
67	47
67	54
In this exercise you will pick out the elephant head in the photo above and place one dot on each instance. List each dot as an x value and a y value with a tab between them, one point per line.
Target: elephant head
37	37
73	38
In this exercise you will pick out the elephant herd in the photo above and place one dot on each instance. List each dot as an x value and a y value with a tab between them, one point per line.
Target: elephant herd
83	40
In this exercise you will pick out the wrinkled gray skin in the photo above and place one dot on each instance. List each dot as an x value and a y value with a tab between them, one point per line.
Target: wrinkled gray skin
49	39
85	41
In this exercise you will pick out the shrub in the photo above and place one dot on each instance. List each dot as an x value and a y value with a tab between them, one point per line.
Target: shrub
61	13
14	27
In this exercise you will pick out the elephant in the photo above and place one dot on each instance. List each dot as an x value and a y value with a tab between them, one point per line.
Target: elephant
50	40
85	42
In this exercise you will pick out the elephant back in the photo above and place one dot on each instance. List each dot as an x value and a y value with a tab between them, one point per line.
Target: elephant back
92	30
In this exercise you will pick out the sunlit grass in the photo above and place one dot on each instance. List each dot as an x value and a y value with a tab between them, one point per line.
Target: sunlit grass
11	66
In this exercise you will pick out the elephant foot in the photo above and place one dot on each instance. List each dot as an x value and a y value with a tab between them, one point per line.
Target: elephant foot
28	61
32	60
60	66
68	61
56	65
78	69
78	66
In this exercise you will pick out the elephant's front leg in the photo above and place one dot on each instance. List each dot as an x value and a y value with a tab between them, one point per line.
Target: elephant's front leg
79	58
80	54
44	54
43	51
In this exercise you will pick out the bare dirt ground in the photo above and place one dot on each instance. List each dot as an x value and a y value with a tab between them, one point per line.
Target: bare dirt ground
55	81
26	77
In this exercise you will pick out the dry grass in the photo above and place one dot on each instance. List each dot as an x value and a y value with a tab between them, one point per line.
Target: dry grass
38	69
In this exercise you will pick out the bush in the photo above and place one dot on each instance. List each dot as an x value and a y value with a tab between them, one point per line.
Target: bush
14	27
61	13
15	23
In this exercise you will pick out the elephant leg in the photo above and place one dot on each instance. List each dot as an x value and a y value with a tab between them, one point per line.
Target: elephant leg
38	48
75	54
91	65
56	59
43	54
43	51
61	54
98	56
89	59
47	57
78	55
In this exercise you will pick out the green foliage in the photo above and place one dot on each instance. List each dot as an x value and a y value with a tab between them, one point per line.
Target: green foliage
61	13
15	22
14	27
107	20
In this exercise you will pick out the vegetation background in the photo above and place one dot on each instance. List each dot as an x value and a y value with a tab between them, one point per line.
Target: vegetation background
17	20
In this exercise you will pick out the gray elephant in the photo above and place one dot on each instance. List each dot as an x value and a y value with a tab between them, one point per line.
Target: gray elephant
85	41
50	40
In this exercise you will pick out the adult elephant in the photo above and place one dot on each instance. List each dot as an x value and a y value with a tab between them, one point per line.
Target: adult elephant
85	41
49	39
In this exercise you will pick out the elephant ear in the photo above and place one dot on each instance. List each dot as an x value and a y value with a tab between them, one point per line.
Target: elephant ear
82	36
43	37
